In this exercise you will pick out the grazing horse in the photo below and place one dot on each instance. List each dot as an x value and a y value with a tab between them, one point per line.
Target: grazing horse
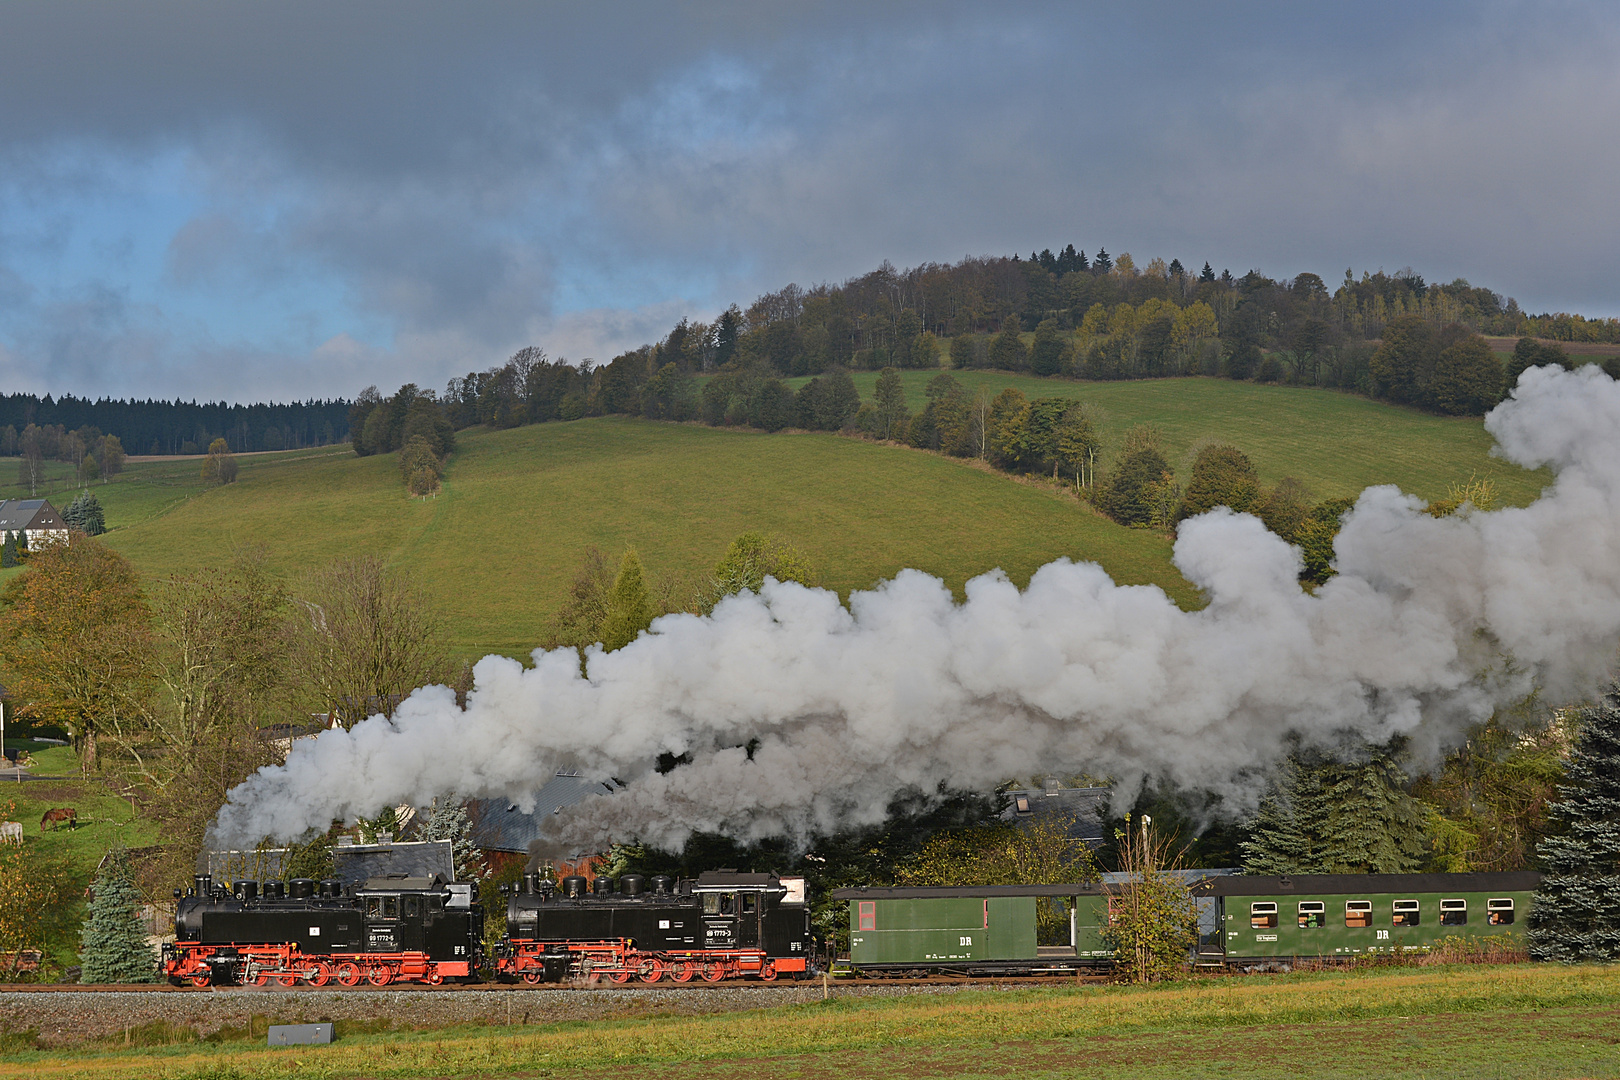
59	815
10	832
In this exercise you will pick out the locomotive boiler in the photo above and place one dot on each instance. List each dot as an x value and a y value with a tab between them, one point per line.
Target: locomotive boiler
390	929
722	925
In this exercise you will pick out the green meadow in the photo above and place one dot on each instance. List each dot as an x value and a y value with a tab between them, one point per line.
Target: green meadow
1525	1021
497	548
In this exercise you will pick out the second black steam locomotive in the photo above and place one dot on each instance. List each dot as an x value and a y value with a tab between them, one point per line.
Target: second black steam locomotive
393	928
723	925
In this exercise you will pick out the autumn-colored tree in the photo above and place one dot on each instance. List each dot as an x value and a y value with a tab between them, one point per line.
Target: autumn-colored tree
1141	481
219	467
1008	353
1152	916
36	899
367	637
76	644
1284	508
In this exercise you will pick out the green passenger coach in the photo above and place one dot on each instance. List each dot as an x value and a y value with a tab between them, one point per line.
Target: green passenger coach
1269	919
976	929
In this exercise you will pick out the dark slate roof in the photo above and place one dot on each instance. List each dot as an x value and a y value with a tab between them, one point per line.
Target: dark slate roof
1082	809
730	879
498	824
19	514
358	863
1371	884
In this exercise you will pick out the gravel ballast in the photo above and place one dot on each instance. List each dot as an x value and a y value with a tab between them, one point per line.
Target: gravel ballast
68	1017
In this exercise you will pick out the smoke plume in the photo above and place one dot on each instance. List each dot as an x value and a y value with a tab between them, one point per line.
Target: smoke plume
1429	625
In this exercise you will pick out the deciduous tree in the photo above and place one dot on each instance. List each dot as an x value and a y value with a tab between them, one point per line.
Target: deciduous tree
1222	475
75	642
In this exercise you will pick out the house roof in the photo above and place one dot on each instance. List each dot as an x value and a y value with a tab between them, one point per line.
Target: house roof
19	514
1081	810
499	825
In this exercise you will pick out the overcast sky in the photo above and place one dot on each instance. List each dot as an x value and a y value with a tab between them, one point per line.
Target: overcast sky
293	200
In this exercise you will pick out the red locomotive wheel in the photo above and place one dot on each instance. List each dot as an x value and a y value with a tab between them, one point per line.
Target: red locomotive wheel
348	973
681	971
768	972
318	974
258	980
379	975
200	980
714	971
287	980
622	976
533	977
651	970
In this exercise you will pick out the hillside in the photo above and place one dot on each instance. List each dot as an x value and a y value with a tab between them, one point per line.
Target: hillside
497	548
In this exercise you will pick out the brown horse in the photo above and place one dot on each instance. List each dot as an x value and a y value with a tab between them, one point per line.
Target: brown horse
59	815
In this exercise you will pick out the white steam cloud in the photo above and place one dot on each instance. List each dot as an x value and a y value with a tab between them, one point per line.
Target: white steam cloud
1428	626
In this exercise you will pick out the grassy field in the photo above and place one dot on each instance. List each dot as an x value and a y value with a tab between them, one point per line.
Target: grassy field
496	550
1335	443
1522	1021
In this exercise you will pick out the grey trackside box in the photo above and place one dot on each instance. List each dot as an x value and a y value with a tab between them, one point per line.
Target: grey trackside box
300	1034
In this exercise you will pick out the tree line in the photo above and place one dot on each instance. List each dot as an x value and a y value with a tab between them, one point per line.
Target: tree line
178	427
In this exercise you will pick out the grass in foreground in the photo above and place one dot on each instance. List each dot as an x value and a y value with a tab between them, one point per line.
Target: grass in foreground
1520	1021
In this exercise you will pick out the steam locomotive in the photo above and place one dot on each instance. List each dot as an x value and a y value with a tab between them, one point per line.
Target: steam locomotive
390	929
722	925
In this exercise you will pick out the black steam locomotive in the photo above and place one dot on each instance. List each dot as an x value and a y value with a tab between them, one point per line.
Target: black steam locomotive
393	928
723	925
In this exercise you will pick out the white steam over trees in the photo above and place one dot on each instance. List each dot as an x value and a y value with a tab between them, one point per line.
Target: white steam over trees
803	715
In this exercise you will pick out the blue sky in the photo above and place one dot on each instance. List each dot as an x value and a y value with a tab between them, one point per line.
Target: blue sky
299	199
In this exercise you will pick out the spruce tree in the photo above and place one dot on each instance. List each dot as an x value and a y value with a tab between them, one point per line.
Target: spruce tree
71	515
113	945
1576	914
449	821
8	551
1330	817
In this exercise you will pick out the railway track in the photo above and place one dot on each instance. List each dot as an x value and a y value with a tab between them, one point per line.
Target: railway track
524	988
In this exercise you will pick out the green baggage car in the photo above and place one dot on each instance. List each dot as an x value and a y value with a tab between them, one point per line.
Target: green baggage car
1269	921
976	930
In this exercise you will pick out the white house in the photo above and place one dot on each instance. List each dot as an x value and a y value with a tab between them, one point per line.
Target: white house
34	518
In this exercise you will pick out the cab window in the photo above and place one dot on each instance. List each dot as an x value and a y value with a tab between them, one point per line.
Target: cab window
410	907
1358	913
1454	913
373	906
711	903
1499	912
390	907
749	900
1263	916
1312	913
1406	913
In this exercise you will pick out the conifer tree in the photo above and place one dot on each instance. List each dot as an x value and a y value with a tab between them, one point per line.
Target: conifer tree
113	945
630	608
1329	817
449	821
1576	914
8	550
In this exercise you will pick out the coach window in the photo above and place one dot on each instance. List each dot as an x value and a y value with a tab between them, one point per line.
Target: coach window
1263	916
1453	913
1406	913
868	915
1499	912
410	907
1312	913
749	902
390	907
1358	913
